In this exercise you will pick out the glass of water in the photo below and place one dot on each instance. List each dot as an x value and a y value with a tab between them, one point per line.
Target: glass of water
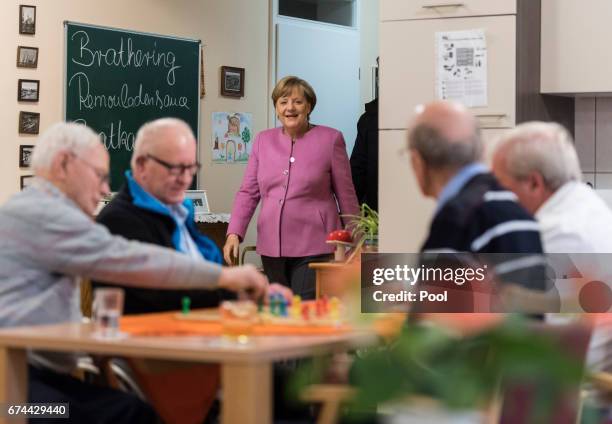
238	319
107	308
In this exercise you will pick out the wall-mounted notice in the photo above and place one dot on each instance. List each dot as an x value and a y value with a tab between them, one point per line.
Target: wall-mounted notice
232	137
461	71
117	80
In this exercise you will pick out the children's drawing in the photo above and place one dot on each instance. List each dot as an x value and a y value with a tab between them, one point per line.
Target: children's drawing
232	137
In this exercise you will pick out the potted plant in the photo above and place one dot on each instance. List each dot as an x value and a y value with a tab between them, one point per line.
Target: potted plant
432	374
364	228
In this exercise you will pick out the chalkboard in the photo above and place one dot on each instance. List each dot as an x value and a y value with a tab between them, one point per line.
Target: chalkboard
116	80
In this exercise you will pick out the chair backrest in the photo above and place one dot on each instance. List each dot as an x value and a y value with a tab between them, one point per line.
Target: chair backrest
518	401
86	297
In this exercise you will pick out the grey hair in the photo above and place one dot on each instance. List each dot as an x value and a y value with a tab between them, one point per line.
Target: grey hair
440	153
147	133
61	137
544	147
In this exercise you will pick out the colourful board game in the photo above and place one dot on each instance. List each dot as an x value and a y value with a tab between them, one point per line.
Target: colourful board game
278	317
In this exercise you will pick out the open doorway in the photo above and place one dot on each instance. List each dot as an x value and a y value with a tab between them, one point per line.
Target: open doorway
323	42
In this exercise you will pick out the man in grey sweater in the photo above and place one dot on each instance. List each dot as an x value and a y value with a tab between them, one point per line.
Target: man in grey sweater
48	240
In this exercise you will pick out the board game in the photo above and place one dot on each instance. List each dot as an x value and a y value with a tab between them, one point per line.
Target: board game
278	311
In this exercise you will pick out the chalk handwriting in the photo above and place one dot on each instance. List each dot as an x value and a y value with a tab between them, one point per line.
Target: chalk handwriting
124	99
119	57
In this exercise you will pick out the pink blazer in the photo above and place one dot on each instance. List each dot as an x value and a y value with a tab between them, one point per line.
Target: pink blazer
300	200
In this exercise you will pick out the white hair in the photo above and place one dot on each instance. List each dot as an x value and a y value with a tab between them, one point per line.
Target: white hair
62	137
543	147
148	133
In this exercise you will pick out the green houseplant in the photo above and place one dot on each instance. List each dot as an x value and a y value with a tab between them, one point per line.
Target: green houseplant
459	373
363	227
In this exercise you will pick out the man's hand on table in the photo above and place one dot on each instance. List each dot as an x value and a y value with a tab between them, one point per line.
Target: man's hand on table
247	279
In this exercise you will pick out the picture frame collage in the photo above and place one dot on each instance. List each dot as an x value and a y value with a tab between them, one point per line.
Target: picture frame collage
28	89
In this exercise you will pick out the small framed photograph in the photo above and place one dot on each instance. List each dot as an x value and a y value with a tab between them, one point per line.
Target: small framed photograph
200	201
29	122
232	81
25	155
28	90
26	180
27	57
27	19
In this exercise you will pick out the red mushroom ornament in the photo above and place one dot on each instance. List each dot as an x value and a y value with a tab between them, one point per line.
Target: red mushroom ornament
342	239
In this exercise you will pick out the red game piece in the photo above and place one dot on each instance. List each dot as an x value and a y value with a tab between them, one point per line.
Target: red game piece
319	308
325	304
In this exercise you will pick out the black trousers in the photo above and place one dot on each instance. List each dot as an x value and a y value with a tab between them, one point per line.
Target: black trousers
87	403
294	273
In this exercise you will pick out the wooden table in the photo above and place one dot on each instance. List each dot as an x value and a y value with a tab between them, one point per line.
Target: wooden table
246	370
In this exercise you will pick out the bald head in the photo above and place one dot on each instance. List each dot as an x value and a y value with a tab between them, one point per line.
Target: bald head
446	136
453	121
161	134
163	159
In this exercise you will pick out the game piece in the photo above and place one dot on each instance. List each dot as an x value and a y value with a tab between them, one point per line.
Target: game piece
295	309
185	304
274	304
318	308
296	301
325	304
334	309
306	311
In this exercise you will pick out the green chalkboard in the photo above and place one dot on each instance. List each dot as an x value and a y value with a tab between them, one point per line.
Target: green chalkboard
116	80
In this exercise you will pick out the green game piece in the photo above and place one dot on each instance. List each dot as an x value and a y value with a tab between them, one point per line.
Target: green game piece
186	304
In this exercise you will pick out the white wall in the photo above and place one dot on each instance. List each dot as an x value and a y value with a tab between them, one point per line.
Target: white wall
235	33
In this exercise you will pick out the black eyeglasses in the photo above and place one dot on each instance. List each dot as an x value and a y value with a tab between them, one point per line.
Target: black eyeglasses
176	170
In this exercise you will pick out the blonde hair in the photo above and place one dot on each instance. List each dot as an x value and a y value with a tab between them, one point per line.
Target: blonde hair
286	86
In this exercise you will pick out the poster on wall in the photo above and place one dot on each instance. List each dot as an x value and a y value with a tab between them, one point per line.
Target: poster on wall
232	137
461	70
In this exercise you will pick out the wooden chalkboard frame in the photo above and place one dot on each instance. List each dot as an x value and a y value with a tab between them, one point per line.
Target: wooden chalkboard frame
186	84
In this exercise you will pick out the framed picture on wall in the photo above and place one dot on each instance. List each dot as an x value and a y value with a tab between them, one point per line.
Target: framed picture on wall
28	90
200	201
232	81
29	122
25	181
27	19
25	155
27	57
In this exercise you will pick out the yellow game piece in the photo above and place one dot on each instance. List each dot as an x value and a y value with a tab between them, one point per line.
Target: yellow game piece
334	309
296	307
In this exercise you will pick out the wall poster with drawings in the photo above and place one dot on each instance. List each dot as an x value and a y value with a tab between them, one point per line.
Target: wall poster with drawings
461	70
232	137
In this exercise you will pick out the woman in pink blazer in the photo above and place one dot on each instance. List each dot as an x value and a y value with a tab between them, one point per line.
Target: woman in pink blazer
302	176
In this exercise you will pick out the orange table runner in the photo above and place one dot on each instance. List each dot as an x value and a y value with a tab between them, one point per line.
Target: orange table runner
167	324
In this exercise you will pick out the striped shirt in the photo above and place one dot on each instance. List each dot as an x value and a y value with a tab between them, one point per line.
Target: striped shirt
483	217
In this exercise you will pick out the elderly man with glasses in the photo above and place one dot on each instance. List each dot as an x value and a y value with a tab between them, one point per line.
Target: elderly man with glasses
48	240
151	207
